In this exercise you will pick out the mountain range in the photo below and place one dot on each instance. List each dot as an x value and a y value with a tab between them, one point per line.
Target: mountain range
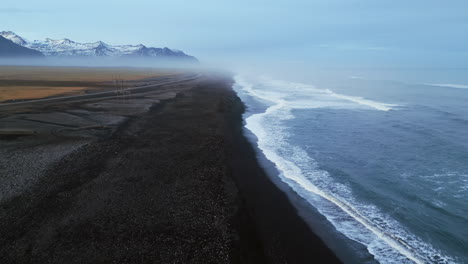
68	48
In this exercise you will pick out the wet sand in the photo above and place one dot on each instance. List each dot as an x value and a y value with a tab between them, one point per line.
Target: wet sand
177	183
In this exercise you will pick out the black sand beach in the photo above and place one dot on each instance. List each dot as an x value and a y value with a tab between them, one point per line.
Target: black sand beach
176	184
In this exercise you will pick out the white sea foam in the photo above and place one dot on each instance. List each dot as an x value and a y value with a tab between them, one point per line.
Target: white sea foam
305	96
458	86
450	182
362	101
384	237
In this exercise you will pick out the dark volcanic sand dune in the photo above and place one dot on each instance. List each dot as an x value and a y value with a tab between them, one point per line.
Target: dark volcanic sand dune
161	190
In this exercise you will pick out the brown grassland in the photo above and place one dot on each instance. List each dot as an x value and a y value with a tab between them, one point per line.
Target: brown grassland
34	82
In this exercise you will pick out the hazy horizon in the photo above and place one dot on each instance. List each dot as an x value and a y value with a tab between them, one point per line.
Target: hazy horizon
358	33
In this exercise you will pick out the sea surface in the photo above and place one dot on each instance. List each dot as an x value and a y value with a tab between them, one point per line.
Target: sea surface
383	156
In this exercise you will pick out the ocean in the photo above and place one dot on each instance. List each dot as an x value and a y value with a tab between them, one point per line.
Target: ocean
382	156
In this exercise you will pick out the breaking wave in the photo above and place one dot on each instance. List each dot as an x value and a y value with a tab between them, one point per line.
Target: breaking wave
384	237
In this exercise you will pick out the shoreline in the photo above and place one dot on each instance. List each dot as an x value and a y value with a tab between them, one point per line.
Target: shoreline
286	235
344	248
179	183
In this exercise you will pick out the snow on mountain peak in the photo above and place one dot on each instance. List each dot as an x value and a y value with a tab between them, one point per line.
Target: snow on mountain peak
67	47
10	35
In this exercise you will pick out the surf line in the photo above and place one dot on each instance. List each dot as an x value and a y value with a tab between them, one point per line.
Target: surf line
280	163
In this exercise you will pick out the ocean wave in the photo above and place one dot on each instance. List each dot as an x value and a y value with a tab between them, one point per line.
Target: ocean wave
362	101
384	237
458	86
305	96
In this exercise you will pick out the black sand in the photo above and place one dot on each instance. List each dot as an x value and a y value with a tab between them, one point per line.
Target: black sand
179	184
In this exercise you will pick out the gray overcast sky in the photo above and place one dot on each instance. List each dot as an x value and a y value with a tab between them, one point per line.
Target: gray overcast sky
345	32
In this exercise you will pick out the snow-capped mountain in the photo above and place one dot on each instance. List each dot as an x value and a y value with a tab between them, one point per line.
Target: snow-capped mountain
68	48
13	37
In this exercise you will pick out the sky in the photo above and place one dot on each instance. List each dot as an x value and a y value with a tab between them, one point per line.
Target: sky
364	33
